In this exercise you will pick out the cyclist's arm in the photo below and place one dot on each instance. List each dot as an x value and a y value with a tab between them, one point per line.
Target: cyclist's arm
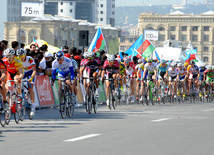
166	75
34	72
138	73
81	70
100	71
72	72
198	74
3	74
103	73
21	73
144	73
53	74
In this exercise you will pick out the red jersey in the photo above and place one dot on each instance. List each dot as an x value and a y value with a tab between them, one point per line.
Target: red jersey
111	69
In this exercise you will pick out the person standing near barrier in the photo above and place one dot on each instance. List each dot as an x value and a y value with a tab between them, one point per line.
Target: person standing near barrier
65	67
29	73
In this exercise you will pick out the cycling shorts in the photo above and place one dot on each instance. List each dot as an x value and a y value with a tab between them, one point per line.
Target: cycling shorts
28	75
181	78
161	74
10	76
149	77
193	76
172	78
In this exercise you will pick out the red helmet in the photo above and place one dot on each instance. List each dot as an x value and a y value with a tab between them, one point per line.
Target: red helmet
67	55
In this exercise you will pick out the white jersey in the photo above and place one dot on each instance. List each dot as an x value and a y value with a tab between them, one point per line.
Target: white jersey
182	72
74	64
28	64
64	67
172	73
151	68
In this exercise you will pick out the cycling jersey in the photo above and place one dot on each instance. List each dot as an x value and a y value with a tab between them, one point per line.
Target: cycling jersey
122	68
182	72
93	66
162	68
82	62
130	68
28	64
113	69
141	68
151	68
192	70
2	65
201	72
172	73
14	66
64	69
209	74
75	65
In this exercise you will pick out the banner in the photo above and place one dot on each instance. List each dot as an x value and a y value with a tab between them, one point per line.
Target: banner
44	90
151	35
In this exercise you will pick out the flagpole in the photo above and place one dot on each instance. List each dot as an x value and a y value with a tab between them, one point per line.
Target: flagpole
104	40
19	24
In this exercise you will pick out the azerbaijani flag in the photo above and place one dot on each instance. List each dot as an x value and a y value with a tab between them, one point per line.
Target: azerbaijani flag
98	42
148	48
157	56
35	42
190	55
136	48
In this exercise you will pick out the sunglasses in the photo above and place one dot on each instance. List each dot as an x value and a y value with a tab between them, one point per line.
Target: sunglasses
127	62
59	59
9	56
21	56
91	58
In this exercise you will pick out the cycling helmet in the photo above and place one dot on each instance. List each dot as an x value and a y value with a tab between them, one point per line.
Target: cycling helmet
85	55
118	59
162	61
67	55
209	67
90	54
59	55
139	61
202	66
173	64
9	51
126	59
149	60
21	51
110	58
186	64
192	62
179	65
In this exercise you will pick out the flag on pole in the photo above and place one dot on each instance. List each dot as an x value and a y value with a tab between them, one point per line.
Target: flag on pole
98	42
136	48
35	42
120	55
148	48
157	56
190	55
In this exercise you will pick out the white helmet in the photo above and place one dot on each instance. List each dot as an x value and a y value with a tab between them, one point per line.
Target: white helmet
85	55
9	51
180	65
21	51
111	58
90	54
127	59
209	67
118	59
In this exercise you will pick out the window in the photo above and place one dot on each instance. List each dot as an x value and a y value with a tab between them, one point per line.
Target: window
61	3
195	28
206	38
71	3
113	5
101	12
194	37
113	13
161	37
122	40
184	38
172	28
150	28
101	19
33	34
172	37
206	28
61	10
70	10
101	5
122	48
161	29
131	40
22	37
196	48
206	59
184	28
206	49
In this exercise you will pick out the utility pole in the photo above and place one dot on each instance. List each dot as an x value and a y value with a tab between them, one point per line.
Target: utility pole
19	24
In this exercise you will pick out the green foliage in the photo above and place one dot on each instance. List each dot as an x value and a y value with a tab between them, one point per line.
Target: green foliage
113	46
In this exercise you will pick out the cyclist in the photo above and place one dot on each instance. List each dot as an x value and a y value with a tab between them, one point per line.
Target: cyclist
130	70
182	76
202	69
15	71
93	69
209	76
29	73
162	69
122	73
2	83
139	62
140	76
65	69
173	77
110	70
76	72
193	73
152	71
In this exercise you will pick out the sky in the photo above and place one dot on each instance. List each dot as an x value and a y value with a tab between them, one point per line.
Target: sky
147	2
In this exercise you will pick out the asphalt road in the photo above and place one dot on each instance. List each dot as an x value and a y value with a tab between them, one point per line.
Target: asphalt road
171	129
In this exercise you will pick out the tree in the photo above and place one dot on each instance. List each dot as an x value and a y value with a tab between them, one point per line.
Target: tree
113	46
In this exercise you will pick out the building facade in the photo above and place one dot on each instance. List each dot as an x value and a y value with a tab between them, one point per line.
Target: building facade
126	42
56	30
199	29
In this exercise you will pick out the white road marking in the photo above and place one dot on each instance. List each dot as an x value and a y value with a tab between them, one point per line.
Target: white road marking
82	137
160	120
208	110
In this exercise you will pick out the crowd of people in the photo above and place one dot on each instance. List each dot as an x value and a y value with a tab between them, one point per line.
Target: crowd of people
18	63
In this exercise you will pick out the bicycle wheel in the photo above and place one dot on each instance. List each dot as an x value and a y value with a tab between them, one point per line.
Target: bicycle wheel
28	110
2	118
62	106
114	103
70	109
17	113
89	101
22	110
110	99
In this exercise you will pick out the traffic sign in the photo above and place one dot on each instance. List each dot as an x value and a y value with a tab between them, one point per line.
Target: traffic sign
32	9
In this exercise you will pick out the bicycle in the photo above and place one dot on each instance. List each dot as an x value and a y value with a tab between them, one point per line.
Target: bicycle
170	93
91	101
192	91
2	112
202	92
180	92
11	97
209	92
151	93
162	91
127	92
66	100
119	97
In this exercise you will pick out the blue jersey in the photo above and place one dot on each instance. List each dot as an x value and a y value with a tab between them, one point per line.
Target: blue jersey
163	68
201	72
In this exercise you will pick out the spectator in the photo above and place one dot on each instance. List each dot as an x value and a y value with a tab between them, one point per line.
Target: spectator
5	42
40	64
44	48
65	49
48	59
103	57
78	57
1	52
22	45
32	47
73	51
15	45
32	54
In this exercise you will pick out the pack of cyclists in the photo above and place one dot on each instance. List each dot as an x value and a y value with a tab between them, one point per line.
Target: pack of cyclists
16	65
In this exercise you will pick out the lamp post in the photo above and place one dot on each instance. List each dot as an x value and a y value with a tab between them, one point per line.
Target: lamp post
19	23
